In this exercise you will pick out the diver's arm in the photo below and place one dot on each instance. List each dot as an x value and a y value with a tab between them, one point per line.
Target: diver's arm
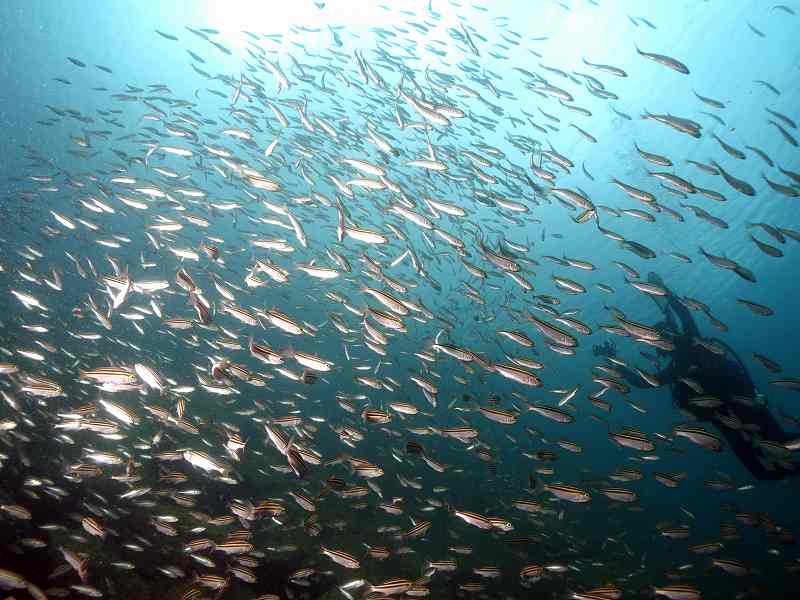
688	326
632	376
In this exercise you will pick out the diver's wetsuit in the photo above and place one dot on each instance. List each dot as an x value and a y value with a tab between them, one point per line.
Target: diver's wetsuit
725	378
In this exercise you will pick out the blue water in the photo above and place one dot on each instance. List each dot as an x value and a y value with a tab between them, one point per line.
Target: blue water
726	59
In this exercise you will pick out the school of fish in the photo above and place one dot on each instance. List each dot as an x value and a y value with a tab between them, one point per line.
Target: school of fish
303	318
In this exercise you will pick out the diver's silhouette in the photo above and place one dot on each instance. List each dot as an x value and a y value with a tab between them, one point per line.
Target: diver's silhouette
742	417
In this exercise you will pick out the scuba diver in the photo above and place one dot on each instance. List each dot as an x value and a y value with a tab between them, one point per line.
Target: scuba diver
716	387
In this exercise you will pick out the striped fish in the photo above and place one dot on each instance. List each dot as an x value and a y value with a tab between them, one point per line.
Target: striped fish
506	417
390	587
341	558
